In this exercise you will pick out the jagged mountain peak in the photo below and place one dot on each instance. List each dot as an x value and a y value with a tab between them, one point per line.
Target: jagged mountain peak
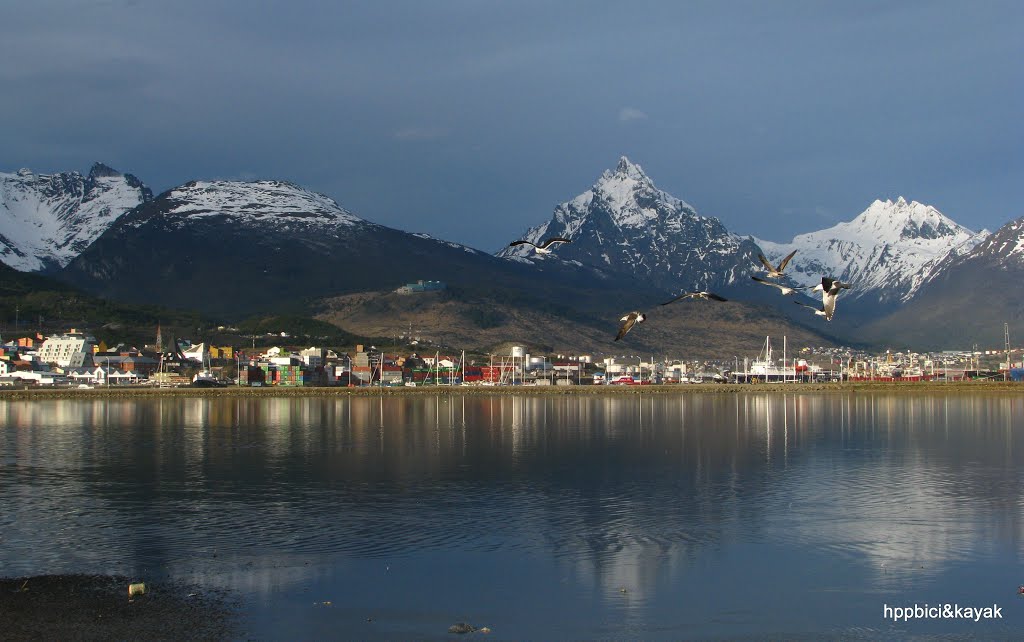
966	298
47	219
99	170
625	224
905	220
890	221
628	196
628	169
889	250
1005	244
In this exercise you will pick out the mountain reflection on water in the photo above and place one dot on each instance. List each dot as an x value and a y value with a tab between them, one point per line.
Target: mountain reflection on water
640	516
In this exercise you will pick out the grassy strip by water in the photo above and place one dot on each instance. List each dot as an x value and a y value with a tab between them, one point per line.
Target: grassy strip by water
908	387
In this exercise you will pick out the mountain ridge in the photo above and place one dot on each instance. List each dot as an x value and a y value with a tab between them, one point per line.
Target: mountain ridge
625	224
969	299
46	220
888	251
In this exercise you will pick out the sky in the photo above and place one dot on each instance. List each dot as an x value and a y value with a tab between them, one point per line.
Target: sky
471	120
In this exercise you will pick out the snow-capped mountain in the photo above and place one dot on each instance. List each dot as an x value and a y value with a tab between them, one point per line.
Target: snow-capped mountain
625	224
1002	250
968	299
233	250
268	206
887	252
230	247
46	220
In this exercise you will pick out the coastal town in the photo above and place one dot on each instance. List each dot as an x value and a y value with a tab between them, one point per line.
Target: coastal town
75	359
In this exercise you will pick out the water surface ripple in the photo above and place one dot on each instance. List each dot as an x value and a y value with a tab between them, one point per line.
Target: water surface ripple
653	517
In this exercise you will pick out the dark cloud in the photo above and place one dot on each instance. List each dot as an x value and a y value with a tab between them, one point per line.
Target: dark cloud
471	120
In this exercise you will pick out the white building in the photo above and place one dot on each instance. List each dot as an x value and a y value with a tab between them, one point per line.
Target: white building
197	353
101	376
72	350
41	378
312	357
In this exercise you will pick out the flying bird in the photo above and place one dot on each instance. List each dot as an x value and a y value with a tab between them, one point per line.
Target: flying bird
782	288
829	286
776	272
545	247
823	311
628	322
697	295
829	289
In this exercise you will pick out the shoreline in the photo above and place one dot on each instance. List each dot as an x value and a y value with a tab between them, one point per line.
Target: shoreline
135	392
77	606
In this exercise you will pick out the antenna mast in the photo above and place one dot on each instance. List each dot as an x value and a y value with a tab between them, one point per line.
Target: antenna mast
1006	338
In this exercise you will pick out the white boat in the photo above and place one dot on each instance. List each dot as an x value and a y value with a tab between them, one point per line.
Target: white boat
205	378
764	368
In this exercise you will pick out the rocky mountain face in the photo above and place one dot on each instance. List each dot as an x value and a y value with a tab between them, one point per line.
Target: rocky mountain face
233	250
967	299
237	248
46	220
887	252
625	225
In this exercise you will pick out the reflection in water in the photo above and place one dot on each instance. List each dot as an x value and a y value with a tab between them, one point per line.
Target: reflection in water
631	499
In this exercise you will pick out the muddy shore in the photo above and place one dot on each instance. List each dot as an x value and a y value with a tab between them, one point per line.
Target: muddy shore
97	607
959	387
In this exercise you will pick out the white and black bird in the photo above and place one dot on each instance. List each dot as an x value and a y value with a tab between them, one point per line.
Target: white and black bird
628	321
775	272
544	247
829	289
829	286
786	290
697	295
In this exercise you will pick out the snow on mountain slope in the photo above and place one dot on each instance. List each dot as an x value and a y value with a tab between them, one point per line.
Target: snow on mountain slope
46	220
1003	248
887	252
627	225
967	301
269	204
277	207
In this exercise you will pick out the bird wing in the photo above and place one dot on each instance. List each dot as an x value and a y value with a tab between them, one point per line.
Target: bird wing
812	307
771	268
627	325
785	261
515	243
684	295
554	240
712	295
774	285
832	291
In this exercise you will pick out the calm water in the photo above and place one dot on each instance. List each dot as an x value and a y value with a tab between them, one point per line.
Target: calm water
639	517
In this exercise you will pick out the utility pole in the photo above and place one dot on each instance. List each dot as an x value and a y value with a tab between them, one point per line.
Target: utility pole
1006	337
